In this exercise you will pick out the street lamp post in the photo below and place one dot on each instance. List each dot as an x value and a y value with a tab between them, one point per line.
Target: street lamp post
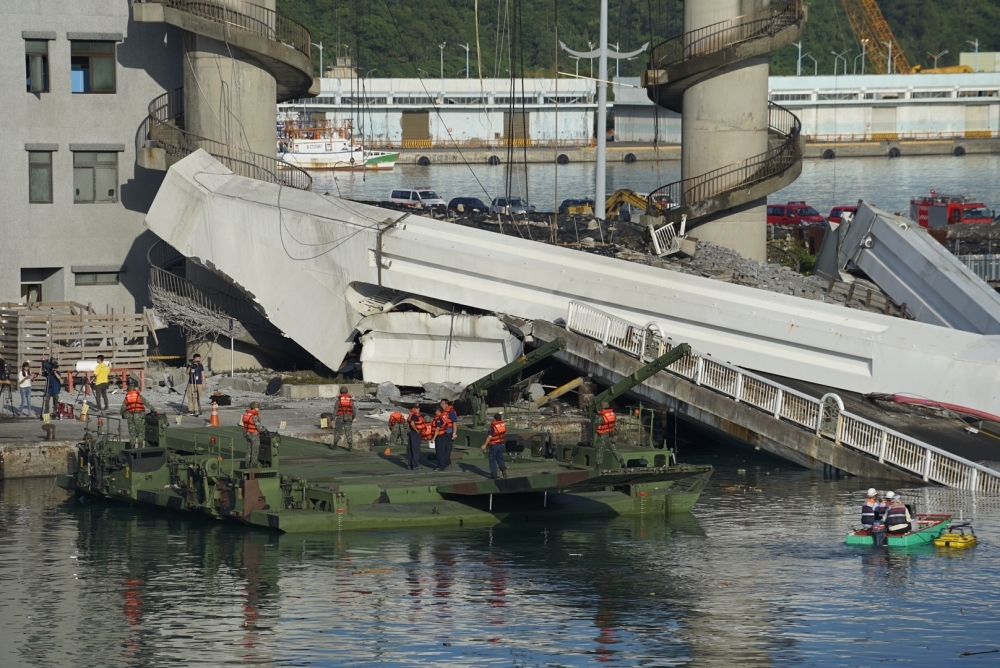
935	58
441	47
798	61
591	45
815	64
864	47
466	47
839	56
320	47
577	59
889	66
975	44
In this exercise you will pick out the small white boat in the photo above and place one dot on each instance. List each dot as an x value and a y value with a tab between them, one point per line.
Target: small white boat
333	153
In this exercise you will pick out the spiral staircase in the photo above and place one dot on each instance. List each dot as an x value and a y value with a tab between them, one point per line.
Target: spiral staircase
692	57
268	42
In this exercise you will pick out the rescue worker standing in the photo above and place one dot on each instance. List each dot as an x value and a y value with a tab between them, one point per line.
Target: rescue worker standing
604	439
416	425
134	411
444	430
397	430
344	420
868	508
496	440
897	517
449	410
251	431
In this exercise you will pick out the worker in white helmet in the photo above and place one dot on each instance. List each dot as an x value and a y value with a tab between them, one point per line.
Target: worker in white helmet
868	508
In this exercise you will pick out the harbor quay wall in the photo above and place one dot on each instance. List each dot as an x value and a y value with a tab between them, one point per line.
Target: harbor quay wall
43	459
628	153
706	408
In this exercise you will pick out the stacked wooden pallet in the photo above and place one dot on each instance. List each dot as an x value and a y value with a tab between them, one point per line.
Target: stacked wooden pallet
71	332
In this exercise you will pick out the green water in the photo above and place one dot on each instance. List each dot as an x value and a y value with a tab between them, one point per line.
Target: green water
757	575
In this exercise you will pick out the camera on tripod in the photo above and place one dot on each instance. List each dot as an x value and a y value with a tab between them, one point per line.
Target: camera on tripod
48	366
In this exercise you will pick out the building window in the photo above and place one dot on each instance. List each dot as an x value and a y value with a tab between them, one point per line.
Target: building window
36	65
40	176
93	67
95	177
929	94
837	96
977	93
97	278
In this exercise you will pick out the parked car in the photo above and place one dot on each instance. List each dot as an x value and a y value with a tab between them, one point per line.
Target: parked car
837	212
577	206
511	205
793	213
468	204
420	198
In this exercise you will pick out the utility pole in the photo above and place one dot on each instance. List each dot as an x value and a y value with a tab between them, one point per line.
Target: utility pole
798	61
320	47
602	114
466	47
815	64
591	45
975	44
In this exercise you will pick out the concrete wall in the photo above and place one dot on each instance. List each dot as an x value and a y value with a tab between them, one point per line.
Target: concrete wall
63	235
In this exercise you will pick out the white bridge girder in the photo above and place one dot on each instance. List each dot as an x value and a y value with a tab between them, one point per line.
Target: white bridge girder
298	262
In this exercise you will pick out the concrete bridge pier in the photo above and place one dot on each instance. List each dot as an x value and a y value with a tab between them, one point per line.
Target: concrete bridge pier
725	122
223	90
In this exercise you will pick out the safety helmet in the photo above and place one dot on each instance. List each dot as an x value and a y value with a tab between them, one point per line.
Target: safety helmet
872	491
890	495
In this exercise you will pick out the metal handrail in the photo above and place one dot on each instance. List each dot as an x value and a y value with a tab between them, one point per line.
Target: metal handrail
784	403
249	17
164	125
691	191
718	36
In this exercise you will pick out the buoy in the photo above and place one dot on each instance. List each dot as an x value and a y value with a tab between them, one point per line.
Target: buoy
214	420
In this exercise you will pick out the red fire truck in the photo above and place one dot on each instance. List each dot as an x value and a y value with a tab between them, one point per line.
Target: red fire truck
939	210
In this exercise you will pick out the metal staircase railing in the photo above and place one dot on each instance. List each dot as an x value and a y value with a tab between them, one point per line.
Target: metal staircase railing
824	417
699	196
688	193
164	125
249	17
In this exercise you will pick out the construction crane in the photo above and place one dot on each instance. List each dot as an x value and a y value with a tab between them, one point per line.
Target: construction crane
872	30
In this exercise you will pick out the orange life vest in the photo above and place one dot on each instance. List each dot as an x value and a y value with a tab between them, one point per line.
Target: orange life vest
396	418
426	430
444	423
499	432
345	405
607	425
249	426
133	402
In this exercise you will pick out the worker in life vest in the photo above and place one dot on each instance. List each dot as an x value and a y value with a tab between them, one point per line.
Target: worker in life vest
344	420
251	431
134	411
897	518
444	430
417	426
397	428
604	435
496	441
868	508
449	410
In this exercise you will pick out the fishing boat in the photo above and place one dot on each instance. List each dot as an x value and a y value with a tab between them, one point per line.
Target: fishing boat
929	527
321	146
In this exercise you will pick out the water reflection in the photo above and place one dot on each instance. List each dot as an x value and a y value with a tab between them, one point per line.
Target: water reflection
757	575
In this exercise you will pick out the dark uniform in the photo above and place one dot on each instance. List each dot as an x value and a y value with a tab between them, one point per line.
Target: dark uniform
868	511
496	444
397	429
897	519
417	425
444	430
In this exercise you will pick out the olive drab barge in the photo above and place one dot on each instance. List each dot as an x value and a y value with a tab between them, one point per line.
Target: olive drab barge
304	486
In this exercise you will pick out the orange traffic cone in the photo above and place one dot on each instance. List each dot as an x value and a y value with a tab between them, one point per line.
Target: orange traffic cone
214	420
387	451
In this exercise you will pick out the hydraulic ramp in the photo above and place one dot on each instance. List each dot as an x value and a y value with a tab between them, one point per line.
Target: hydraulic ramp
298	253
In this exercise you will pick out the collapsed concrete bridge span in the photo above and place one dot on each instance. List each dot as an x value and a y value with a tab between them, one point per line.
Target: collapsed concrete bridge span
298	254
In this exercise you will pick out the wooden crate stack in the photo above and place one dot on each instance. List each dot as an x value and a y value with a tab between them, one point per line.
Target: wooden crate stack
71	332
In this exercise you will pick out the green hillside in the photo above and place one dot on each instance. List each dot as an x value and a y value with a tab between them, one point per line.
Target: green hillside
396	37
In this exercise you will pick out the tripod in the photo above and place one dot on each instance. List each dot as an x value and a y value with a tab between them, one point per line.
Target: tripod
6	399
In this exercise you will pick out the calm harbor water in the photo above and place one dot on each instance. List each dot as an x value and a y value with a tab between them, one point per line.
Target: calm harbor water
824	183
757	575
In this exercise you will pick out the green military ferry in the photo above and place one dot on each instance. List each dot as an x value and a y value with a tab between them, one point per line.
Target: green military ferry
304	486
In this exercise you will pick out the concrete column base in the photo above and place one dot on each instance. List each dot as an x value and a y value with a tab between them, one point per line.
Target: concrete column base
745	232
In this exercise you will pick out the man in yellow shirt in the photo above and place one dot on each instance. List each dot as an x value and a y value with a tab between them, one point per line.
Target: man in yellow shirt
101	372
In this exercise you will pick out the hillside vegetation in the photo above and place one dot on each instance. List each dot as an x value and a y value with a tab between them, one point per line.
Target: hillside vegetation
396	37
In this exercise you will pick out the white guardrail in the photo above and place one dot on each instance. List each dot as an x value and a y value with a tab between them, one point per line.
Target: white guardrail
825	417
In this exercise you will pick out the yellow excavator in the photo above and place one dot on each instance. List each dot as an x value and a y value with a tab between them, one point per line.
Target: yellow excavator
613	205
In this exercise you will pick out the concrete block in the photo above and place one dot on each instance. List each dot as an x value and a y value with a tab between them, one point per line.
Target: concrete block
152	158
328	391
147	12
37	460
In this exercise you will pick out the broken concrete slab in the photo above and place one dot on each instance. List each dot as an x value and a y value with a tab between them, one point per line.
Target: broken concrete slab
243	384
325	391
388	393
439	391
